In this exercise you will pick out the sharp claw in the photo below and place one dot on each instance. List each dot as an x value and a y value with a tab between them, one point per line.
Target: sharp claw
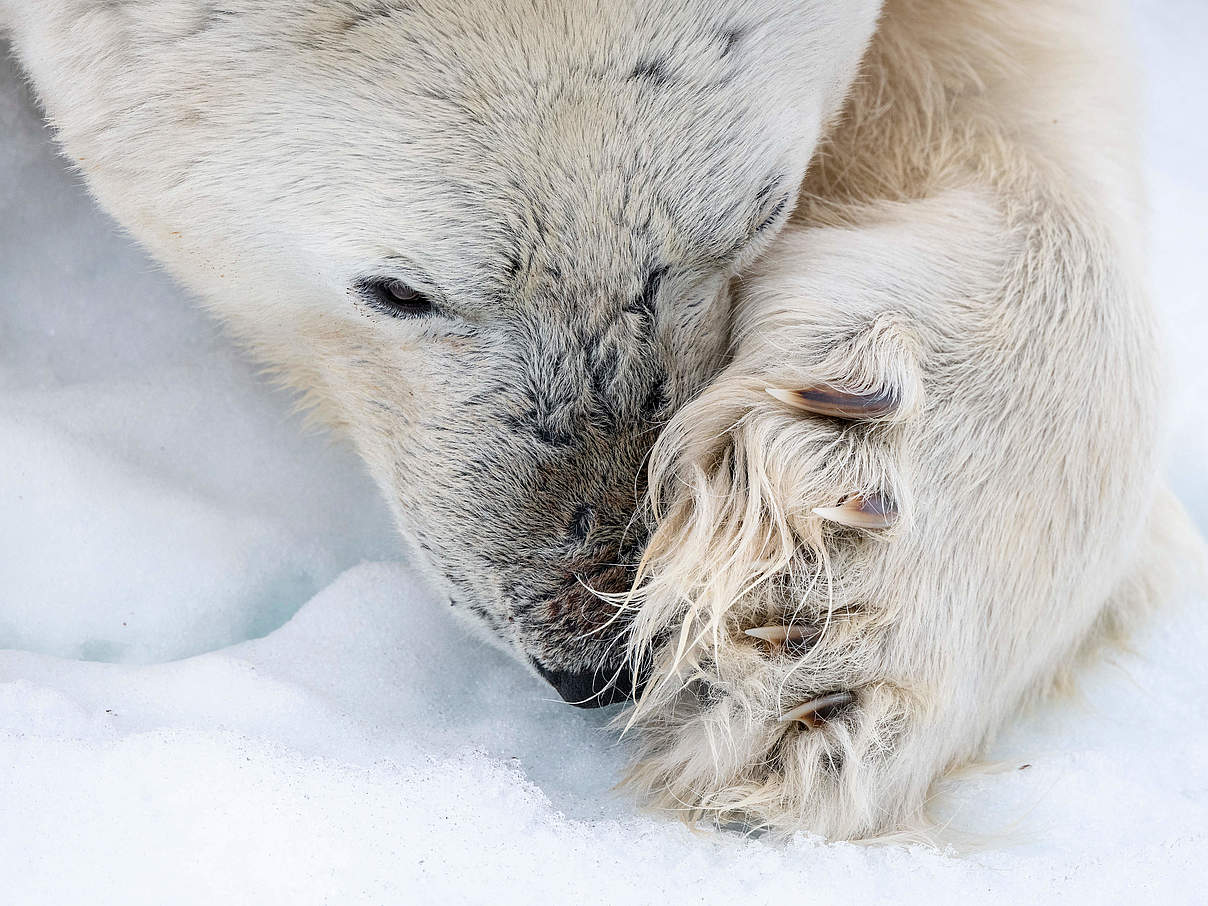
873	512
822	399
777	635
809	714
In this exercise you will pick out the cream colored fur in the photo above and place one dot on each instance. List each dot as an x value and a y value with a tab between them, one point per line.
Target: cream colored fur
968	239
971	240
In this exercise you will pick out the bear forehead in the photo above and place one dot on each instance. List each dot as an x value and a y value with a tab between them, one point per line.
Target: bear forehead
604	136
545	126
662	40
545	93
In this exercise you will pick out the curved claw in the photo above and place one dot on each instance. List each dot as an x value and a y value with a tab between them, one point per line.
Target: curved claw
776	636
872	512
810	713
822	399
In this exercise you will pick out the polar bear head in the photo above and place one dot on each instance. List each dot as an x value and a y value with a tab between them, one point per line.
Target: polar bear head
491	240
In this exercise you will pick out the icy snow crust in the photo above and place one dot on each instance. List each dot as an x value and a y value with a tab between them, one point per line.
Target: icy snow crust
221	686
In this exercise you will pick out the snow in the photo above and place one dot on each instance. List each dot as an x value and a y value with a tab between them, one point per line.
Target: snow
220	683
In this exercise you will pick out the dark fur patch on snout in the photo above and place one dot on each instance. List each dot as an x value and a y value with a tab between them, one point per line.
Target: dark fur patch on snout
549	428
577	601
580	523
644	302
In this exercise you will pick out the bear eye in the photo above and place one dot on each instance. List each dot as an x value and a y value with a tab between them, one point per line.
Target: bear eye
394	297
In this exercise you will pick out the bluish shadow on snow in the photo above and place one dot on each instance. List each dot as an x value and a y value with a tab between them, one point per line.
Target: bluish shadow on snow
157	499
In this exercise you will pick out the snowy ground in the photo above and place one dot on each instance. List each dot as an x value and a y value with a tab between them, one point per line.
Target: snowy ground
220	685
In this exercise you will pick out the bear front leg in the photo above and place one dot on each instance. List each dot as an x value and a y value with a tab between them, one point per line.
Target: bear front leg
898	514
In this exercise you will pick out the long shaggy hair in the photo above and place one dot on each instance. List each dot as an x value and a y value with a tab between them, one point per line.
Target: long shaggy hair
963	256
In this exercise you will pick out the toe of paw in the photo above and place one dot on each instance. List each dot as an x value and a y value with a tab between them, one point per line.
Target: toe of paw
823	399
823	769
820	710
864	373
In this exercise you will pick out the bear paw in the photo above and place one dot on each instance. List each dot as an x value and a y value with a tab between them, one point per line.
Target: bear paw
773	697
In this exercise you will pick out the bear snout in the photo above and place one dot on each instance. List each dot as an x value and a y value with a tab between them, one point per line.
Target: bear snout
592	688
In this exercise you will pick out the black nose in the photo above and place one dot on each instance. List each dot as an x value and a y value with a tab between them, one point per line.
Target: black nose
591	689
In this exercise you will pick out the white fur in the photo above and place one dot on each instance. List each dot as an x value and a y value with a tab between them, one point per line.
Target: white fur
970	241
967	238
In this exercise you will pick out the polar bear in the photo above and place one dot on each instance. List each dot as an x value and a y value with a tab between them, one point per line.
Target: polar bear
784	367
